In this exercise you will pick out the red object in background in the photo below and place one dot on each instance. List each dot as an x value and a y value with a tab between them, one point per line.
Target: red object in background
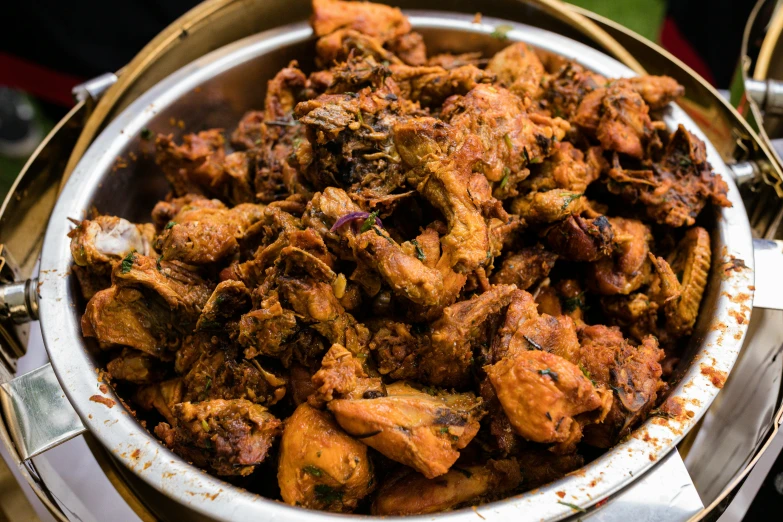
46	84
673	41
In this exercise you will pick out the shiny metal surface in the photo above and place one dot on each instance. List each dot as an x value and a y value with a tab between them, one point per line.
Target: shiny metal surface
226	80
769	262
664	494
93	89
18	302
768	94
38	413
742	418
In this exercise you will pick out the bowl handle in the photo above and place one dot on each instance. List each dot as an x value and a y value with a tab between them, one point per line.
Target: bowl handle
768	260
38	413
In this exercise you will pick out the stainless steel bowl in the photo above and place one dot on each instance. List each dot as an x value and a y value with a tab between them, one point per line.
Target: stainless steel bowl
214	91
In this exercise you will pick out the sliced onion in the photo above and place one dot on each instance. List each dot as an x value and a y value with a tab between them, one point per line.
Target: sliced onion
353	216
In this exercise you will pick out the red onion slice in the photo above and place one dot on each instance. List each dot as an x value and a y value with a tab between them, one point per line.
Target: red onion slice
353	216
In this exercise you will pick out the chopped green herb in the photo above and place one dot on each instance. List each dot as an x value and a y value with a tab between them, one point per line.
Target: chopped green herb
686	162
509	144
572	506
147	134
489	254
361	118
170	224
157	263
208	385
501	31
568	199
369	222
208	444
572	303
585	371
444	429
204	425
535	161
127	262
506	174
419	252
525	155
547	371
661	413
532	343
312	470
327	494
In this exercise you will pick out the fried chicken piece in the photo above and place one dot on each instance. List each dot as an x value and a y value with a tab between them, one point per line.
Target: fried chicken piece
548	207
618	117
403	271
161	396
206	235
525	329
629	267
265	330
430	85
100	243
305	287
124	316
566	169
409	493
691	259
414	428
448	183
230	437
564	90
349	139
181	289
677	188
525	267
397	350
511	138
219	373
193	167
228	301
632	372
376	20
343	44
342	376
320	466
165	211
542	393
410	48
518	69
136	367
446	361
581	239
657	91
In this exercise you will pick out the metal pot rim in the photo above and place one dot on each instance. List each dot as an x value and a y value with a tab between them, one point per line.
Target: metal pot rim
143	454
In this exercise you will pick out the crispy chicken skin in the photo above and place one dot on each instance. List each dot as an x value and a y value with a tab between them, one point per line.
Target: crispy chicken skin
407	282
412	427
541	394
320	466
230	437
519	69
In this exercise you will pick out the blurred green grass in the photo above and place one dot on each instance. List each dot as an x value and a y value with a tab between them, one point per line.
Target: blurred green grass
642	16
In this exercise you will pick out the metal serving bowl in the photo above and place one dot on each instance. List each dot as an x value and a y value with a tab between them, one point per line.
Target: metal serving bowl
214	91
